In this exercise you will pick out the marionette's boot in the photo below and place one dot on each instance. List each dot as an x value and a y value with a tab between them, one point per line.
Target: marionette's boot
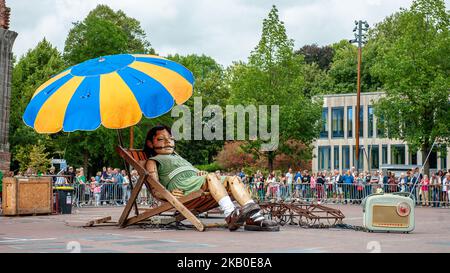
238	217
257	222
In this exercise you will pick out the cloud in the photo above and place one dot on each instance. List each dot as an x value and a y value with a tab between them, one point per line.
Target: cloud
226	30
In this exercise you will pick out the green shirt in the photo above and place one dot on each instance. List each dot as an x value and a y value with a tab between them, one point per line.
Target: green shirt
176	172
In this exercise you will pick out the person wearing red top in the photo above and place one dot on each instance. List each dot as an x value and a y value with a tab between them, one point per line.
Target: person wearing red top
425	184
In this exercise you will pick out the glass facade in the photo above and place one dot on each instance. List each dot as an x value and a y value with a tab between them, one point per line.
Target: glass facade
433	159
443	157
374	157
336	157
349	121
384	154
345	157
370	121
397	154
337	122
380	131
412	158
324	158
362	156
324	130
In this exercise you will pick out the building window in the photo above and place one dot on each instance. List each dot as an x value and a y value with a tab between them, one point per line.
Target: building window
443	161
360	164
370	121
361	121
324	131
345	157
374	157
349	121
433	159
384	154
380	129
336	157
413	157
397	154
337	122
324	158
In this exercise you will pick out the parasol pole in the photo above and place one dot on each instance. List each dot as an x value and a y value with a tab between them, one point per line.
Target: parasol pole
131	137
127	168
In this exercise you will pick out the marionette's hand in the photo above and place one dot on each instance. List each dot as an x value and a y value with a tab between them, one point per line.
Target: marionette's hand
177	193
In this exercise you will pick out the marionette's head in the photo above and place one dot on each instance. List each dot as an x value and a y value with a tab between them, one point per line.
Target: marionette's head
159	140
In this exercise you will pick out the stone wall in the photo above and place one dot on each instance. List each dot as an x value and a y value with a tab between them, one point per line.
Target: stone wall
7	39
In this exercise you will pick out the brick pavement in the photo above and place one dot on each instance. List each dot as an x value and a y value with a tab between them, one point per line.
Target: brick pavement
64	233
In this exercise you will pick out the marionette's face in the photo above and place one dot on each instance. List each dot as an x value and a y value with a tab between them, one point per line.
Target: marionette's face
163	143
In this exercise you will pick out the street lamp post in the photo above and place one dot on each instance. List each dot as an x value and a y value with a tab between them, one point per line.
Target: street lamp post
360	38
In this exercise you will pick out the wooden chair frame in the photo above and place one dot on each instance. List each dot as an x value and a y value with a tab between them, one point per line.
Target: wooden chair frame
188	206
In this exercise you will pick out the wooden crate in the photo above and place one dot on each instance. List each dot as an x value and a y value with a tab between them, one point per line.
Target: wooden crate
27	195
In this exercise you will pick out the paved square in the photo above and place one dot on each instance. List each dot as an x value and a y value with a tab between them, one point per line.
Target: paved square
64	233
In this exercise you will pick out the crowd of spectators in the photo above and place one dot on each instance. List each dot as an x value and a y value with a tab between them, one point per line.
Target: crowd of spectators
349	186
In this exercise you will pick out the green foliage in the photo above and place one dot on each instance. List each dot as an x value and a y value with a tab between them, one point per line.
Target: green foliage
274	76
210	85
33	158
210	167
33	69
413	62
105	32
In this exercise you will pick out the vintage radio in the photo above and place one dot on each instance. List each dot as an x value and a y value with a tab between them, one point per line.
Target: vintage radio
388	212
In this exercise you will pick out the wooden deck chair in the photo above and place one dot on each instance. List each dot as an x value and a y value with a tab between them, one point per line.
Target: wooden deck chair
188	206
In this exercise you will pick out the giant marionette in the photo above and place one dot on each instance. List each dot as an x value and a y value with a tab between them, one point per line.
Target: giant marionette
179	176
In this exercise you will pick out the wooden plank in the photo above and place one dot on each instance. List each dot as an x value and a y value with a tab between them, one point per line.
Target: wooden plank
97	221
131	201
163	208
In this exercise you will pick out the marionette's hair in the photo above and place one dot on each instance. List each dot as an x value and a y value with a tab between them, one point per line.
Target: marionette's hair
150	152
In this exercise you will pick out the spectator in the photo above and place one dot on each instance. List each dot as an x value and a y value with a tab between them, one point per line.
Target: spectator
71	173
320	182
402	182
298	180
117	185
126	188
424	187
51	171
347	187
97	190
445	189
392	183
306	180
359	183
435	185
339	182
289	177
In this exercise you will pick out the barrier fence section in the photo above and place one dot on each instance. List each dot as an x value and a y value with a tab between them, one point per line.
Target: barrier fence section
346	193
113	194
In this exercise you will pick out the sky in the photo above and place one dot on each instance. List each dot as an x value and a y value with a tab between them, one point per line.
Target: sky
226	30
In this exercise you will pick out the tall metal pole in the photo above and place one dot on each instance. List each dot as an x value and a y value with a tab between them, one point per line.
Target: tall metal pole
358	99
359	38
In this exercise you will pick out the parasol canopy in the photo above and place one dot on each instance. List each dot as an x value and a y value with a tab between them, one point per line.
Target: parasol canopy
113	91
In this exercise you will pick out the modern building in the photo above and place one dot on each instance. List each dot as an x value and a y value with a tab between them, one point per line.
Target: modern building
335	148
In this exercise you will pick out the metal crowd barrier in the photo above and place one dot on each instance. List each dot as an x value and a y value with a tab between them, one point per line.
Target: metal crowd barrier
345	193
110	194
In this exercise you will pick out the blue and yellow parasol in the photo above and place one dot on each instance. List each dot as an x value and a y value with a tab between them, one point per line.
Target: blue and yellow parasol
113	91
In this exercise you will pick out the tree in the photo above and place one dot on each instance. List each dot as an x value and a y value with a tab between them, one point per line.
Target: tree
209	84
322	56
343	70
273	76
105	32
33	158
413	62
32	70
